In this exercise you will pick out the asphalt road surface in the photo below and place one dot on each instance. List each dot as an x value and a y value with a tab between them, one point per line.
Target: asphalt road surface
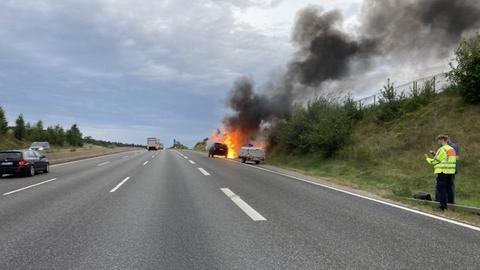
182	210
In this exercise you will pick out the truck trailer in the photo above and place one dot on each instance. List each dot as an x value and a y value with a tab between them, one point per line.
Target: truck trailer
153	144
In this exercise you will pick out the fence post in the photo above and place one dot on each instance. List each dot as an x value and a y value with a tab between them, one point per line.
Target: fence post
374	100
434	84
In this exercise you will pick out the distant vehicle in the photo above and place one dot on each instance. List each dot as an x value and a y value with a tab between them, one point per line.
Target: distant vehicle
153	144
250	153
40	146
161	147
218	149
23	162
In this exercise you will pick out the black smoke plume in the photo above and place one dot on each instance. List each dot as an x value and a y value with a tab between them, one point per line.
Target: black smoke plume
424	26
389	28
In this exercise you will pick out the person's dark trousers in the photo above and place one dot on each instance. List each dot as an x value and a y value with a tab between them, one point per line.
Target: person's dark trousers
451	190
444	185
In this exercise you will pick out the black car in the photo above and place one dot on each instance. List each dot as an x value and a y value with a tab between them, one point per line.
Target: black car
218	149
23	162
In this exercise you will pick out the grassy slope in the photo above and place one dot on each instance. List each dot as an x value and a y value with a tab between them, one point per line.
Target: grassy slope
8	141
389	159
200	147
59	154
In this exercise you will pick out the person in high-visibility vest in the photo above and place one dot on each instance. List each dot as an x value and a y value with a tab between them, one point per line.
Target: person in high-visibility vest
444	164
451	196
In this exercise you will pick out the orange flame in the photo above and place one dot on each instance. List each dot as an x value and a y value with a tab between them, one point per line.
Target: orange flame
232	143
233	139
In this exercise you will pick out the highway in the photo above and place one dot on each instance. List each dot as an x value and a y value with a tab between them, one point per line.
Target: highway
182	210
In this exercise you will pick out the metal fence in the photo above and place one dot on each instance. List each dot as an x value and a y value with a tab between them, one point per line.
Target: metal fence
439	83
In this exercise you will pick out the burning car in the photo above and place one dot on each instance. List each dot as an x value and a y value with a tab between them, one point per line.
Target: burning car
218	149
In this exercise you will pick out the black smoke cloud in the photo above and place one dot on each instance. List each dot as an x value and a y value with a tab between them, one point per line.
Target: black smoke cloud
324	51
388	28
424	26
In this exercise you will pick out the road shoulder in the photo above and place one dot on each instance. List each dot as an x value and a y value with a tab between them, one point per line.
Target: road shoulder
454	215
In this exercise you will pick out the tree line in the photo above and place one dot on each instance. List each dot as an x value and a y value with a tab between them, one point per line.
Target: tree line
55	135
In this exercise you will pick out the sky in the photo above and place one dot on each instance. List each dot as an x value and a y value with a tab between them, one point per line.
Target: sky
127	70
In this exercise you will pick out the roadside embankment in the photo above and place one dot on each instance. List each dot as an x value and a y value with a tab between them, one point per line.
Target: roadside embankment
72	154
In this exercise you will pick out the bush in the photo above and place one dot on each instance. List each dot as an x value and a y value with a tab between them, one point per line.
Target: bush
389	103
419	97
201	146
321	128
466	73
352	109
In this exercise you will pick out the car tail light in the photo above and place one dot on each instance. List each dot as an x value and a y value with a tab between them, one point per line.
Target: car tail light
22	162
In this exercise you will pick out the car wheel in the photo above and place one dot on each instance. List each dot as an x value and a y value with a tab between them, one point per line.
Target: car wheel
47	169
31	171
257	162
244	160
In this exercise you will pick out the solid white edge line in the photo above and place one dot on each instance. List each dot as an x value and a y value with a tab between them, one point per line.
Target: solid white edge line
203	171
120	184
185	157
145	163
247	209
103	163
27	187
371	199
87	159
191	162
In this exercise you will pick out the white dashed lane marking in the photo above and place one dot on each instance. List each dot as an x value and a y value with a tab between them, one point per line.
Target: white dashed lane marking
27	187
103	163
120	184
247	209
203	171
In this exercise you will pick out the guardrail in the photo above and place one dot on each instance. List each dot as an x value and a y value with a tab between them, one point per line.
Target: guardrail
465	208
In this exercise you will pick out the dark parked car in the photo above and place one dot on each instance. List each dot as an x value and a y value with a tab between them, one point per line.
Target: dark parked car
23	162
218	149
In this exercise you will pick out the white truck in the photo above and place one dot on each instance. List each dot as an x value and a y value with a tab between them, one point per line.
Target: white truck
153	144
249	153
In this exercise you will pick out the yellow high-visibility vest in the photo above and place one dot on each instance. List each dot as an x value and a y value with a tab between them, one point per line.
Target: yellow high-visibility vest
444	161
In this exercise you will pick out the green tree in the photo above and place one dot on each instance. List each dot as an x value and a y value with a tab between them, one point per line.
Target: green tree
20	130
352	109
466	73
389	103
37	132
56	135
3	122
60	136
74	136
28	131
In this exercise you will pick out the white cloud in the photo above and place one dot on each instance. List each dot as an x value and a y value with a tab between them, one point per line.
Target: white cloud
278	20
